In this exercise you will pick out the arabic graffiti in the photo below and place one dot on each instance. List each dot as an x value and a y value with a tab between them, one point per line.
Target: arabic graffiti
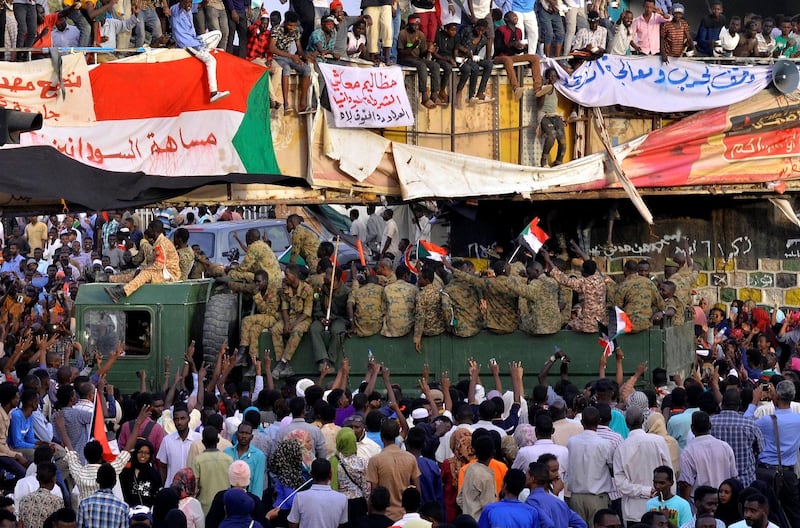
367	97
741	245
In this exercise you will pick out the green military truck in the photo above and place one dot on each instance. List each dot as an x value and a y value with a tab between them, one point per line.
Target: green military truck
159	321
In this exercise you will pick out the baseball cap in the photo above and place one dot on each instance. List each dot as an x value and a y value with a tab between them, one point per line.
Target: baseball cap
336	4
328	19
669	263
593	15
678	8
265	16
140	513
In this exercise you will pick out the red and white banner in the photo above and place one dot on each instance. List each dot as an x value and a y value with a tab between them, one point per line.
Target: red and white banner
35	87
367	97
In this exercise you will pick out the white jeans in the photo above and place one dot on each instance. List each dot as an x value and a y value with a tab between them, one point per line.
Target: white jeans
210	39
529	25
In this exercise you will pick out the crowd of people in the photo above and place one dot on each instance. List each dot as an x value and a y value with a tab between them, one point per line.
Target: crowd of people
202	450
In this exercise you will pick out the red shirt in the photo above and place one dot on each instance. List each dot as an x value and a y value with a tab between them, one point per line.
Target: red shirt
258	43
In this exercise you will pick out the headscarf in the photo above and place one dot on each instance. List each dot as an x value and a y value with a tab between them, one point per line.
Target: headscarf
175	519
256	409
286	463
657	425
345	447
639	399
525	435
185	483
461	445
303	437
140	443
166	499
729	512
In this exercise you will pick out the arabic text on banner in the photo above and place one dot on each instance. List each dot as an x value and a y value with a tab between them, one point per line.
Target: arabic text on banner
681	85
34	87
367	97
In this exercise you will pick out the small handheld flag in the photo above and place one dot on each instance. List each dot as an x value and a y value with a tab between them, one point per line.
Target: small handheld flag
618	324
430	251
534	236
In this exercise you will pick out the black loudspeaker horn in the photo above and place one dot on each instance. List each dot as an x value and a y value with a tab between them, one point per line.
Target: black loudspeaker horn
785	76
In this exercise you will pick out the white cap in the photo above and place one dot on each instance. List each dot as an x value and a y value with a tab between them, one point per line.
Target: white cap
301	387
420	414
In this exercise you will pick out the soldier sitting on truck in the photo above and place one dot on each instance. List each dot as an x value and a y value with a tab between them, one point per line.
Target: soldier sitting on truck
165	268
259	256
267	301
297	302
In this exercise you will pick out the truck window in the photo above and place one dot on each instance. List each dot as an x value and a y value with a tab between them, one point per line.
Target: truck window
279	238
206	242
106	329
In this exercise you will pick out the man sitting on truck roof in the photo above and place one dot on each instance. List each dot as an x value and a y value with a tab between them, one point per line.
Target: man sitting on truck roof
166	267
267	301
259	256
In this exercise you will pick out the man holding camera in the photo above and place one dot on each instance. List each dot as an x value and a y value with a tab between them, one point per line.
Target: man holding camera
781	441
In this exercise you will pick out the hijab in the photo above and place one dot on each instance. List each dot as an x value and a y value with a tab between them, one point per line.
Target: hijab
657	425
286	463
135	455
461	445
729	512
345	447
525	435
185	483
303	437
166	500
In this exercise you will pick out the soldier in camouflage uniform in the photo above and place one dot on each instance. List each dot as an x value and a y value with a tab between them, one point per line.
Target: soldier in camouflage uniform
538	301
673	308
500	294
683	275
185	253
267	301
259	256
331	330
365	306
591	290
399	303
565	295
317	280
638	298
385	272
460	302
304	243
428	317
297	304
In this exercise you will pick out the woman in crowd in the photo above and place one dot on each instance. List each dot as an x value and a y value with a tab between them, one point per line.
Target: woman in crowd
185	484
348	474
461	445
141	481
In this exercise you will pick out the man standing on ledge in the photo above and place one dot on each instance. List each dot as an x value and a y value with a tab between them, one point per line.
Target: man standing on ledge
186	37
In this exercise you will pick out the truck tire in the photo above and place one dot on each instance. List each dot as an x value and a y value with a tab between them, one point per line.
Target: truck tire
220	324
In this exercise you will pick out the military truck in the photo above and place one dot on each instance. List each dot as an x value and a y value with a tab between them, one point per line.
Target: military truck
160	320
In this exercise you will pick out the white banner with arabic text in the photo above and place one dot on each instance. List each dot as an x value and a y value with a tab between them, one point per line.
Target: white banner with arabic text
35	87
681	85
367	97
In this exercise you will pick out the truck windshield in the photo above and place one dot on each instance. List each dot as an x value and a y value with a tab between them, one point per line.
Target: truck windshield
105	330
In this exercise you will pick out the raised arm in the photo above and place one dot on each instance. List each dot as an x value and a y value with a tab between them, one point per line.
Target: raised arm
474	377
448	401
393	404
619	374
495	368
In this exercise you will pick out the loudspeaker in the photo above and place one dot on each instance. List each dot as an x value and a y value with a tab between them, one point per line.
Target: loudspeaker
785	76
13	123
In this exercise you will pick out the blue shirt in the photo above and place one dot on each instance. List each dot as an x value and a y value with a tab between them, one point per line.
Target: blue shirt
20	432
183	28
257	462
12	266
789	424
558	511
678	509
679	425
509	513
522	6
430	480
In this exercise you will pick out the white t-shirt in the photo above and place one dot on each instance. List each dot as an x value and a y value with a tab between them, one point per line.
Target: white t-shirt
390	231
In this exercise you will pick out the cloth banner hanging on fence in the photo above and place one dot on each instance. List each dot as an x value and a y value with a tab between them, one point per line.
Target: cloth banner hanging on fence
680	85
367	97
63	98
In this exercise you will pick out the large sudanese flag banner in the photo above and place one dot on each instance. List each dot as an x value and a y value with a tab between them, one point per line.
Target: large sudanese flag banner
155	118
